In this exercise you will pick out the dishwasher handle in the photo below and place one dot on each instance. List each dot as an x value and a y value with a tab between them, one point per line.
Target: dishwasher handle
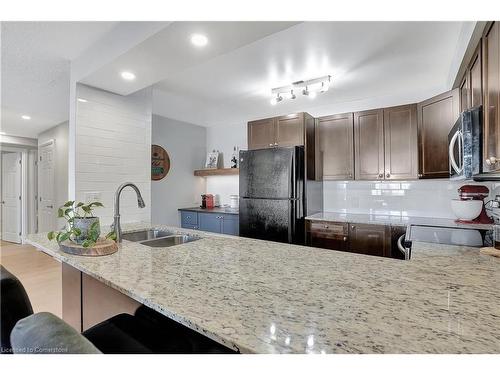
404	250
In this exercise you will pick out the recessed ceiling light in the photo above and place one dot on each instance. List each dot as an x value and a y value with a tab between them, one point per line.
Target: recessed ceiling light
128	76
26	117
199	40
82	100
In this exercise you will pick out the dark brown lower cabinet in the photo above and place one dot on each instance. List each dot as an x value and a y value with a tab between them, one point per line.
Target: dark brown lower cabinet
327	235
369	239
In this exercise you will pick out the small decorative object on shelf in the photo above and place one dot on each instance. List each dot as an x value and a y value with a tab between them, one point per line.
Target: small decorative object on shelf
234	158
160	162
81	234
212	160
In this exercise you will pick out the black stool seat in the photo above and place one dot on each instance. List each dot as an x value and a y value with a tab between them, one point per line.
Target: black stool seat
127	334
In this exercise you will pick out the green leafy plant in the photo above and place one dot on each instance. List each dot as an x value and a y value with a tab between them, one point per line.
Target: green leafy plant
72	210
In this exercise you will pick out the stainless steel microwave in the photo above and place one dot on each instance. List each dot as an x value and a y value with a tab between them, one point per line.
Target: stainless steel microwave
465	145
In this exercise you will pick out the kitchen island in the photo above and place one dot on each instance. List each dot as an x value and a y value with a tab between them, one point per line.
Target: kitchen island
264	297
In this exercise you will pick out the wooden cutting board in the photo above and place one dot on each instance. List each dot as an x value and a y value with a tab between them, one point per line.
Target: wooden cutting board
102	247
490	251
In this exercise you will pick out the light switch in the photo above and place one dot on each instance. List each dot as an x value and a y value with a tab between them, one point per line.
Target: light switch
92	196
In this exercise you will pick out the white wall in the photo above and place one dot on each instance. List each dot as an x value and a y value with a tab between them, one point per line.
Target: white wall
113	145
60	134
224	139
186	146
425	198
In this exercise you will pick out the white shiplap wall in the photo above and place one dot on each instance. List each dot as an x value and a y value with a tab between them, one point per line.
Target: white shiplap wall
113	145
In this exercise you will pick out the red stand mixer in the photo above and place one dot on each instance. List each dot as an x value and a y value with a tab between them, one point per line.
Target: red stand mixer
476	193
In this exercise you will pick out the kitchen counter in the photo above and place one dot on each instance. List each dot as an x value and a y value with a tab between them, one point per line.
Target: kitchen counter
265	297
394	220
215	210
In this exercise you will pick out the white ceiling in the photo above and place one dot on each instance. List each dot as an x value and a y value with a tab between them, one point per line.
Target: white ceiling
372	64
35	59
228	82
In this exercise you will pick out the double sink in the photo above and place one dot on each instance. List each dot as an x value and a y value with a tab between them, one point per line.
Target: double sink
159	238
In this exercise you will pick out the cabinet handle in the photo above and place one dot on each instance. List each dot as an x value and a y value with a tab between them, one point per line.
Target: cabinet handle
326	227
352	227
388	175
381	175
420	175
270	145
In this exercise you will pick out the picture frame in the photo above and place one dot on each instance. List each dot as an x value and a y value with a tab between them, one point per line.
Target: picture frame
212	160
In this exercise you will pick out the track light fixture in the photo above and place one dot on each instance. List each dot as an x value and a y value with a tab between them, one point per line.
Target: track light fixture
309	88
277	99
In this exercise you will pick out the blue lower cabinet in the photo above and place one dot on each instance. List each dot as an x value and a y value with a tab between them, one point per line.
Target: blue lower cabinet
189	219
211	222
231	224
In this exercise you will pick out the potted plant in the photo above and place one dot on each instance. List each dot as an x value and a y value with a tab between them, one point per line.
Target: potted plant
82	226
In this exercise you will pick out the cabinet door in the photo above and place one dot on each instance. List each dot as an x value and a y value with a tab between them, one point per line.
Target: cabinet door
436	117
289	130
335	138
369	144
400	133
465	92
230	224
210	222
189	219
327	235
476	83
491	85
370	239
261	134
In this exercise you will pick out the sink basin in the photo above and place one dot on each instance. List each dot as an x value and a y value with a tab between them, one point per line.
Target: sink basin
170	240
144	235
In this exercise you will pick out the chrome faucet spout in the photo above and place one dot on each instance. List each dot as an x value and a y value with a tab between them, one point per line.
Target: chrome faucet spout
140	203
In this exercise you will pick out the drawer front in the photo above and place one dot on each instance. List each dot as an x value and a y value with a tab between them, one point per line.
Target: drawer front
328	229
189	218
328	235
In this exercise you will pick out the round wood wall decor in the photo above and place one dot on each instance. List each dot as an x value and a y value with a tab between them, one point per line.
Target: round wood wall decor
160	162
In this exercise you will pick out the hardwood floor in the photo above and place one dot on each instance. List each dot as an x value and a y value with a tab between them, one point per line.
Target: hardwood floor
38	272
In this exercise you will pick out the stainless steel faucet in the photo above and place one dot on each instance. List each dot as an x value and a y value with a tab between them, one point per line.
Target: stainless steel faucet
140	202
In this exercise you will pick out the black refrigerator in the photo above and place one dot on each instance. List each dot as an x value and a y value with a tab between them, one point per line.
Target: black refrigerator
275	195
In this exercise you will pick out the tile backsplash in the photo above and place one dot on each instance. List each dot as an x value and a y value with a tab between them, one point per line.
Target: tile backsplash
426	198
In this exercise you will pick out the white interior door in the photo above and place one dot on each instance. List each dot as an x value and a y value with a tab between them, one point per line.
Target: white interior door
46	188
11	197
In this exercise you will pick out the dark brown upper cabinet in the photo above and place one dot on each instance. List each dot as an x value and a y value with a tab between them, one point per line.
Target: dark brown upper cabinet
491	87
400	133
289	130
336	146
297	129
369	144
465	93
261	133
471	86
476	78
435	117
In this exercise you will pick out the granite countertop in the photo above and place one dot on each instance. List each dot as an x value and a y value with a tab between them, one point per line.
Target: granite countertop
393	220
265	297
218	210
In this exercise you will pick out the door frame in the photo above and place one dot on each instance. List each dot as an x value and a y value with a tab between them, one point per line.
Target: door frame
19	154
51	141
27	211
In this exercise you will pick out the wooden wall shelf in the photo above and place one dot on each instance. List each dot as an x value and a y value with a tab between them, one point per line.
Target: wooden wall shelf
216	172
